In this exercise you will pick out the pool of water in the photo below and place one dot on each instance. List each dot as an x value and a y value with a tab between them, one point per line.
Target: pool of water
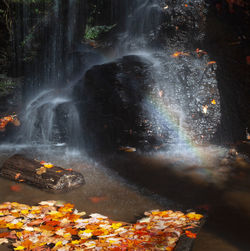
125	185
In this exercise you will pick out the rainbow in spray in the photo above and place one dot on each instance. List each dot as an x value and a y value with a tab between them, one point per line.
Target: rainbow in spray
172	118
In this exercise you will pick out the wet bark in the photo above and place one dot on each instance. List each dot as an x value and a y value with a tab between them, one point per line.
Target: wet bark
55	179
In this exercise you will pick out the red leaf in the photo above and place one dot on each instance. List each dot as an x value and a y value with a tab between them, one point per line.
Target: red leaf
3	235
97	199
15	188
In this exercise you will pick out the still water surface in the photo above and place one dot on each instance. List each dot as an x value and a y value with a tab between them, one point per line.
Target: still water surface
108	193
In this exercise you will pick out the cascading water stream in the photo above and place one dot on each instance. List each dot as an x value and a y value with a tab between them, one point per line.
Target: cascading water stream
50	116
141	25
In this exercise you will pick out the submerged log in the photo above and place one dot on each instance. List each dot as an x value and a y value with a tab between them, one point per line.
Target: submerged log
48	177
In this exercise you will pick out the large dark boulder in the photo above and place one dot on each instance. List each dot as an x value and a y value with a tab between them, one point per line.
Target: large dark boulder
113	111
149	103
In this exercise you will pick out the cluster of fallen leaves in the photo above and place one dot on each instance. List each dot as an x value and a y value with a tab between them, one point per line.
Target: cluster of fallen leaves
54	225
8	119
198	52
44	167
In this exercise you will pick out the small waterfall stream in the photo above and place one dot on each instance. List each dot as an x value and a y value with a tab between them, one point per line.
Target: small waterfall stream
50	116
140	26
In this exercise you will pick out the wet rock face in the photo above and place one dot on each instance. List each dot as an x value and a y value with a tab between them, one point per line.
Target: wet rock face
186	98
113	113
184	24
150	103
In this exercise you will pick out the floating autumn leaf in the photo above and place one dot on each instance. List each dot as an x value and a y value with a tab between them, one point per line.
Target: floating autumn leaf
15	188
213	102
97	199
179	53
211	62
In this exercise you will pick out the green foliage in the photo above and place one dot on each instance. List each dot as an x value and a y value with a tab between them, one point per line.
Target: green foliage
7	83
94	32
6	86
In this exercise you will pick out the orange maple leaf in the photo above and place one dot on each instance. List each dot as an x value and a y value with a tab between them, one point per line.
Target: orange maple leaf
190	234
179	53
211	62
17	176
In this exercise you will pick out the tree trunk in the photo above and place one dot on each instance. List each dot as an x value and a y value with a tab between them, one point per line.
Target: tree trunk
56	179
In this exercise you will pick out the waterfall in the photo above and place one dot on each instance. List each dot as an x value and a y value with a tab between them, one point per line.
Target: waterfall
152	29
50	116
141	25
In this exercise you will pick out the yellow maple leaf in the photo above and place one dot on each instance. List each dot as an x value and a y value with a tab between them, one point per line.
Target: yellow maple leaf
194	216
67	235
59	243
19	235
116	225
48	165
19	248
24	211
15	226
75	242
